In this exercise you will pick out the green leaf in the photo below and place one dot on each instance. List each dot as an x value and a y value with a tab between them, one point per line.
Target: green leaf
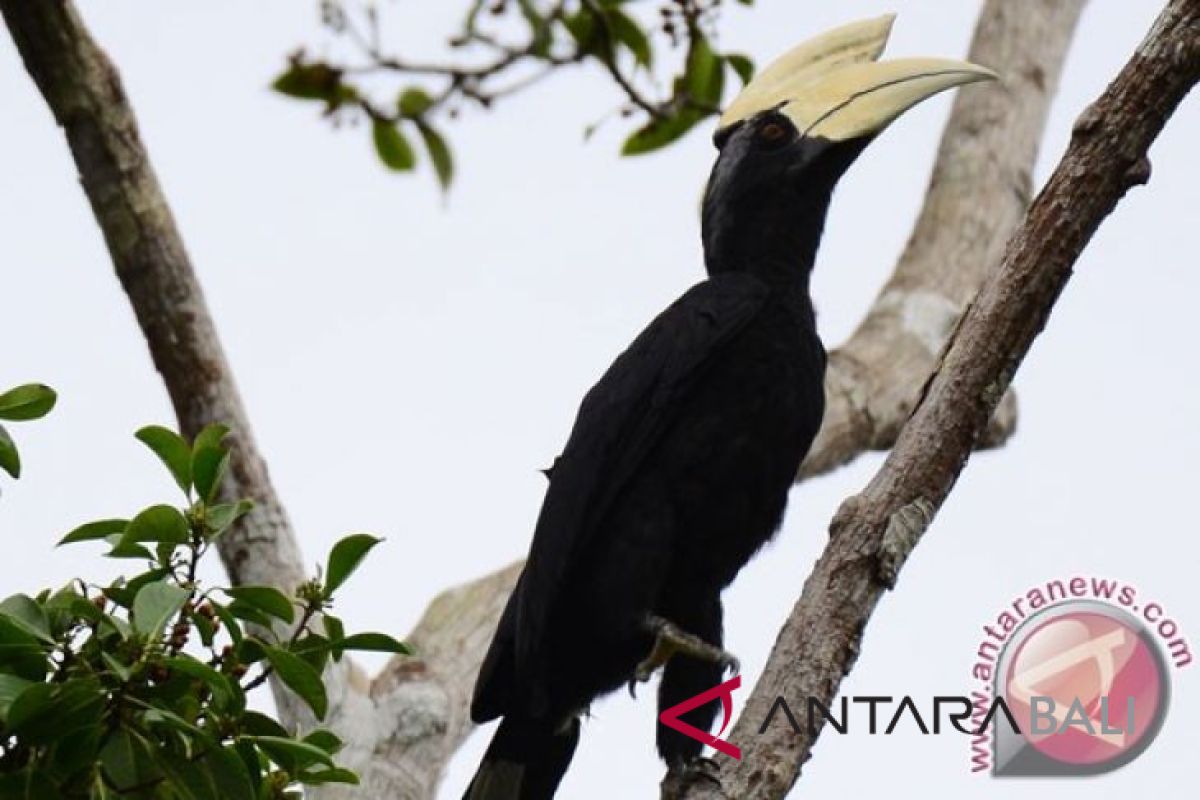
255	723
77	750
218	774
414	101
123	591
309	82
212	435
705	77
313	648
345	557
44	712
10	459
265	598
232	626
165	552
629	33
253	762
291	754
29	783
582	27
231	780
100	529
301	678
335	775
334	629
126	760
225	696
326	740
26	612
539	27
391	145
122	671
10	687
249	613
155	604
334	632
742	65
439	153
157	716
29	704
121	548
208	470
221	517
659	133
172	450
376	642
114	626
31	401
206	628
21	652
157	524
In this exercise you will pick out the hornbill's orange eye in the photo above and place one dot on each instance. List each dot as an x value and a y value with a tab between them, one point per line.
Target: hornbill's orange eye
773	133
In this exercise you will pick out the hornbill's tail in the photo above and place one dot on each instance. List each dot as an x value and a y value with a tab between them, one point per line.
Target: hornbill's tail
525	761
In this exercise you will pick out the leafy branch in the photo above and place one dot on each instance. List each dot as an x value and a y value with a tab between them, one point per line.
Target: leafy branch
104	694
505	47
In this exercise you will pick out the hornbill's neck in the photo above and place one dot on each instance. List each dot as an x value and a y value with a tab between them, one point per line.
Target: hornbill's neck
764	212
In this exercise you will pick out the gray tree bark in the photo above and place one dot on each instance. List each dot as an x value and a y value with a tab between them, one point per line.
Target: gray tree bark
873	532
403	726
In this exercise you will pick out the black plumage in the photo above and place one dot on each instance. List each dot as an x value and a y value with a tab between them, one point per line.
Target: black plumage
676	472
678	468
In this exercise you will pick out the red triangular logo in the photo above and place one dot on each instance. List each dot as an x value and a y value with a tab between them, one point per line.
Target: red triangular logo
670	717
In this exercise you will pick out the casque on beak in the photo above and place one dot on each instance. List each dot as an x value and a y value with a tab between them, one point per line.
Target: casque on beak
833	86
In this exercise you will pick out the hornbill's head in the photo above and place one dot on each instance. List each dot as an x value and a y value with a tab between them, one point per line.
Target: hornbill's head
793	131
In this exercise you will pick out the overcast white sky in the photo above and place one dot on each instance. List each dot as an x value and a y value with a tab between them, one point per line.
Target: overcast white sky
409	363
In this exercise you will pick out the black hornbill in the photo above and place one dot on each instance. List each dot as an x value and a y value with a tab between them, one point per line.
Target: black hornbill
678	466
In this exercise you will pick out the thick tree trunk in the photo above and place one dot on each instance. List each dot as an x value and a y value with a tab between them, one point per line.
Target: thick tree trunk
83	90
874	532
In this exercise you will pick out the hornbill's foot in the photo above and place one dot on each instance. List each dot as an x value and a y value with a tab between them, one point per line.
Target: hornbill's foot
682	775
701	768
670	640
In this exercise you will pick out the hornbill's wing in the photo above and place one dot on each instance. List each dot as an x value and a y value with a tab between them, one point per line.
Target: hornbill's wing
619	422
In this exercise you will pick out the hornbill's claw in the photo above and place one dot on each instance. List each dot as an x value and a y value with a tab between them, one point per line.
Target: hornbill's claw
669	640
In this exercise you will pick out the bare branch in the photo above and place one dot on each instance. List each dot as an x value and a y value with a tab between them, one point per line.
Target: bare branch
874	532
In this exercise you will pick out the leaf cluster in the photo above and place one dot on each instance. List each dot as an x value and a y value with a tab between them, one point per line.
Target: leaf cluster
137	689
610	35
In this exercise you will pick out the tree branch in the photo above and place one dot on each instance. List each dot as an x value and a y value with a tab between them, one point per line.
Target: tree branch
979	190
402	728
874	532
83	90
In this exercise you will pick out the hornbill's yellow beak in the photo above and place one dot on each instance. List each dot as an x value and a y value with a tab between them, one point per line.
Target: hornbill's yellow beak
833	87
